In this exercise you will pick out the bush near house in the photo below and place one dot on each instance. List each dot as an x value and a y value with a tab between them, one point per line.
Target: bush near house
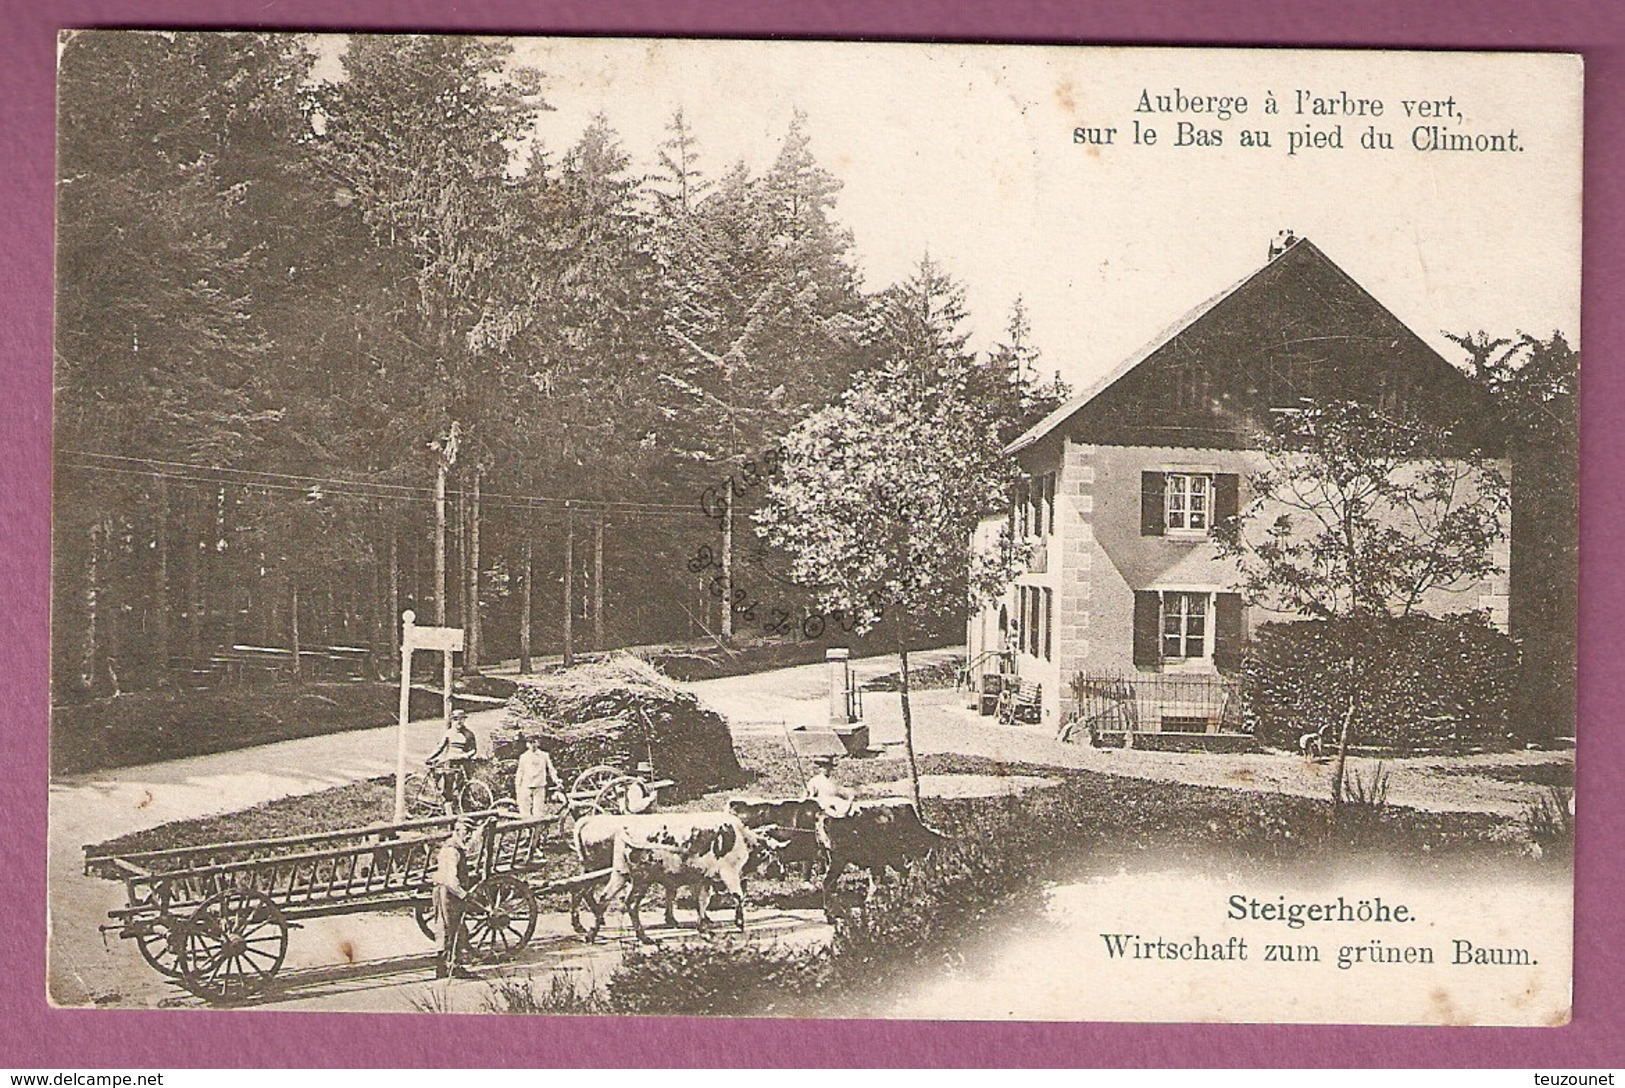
1424	682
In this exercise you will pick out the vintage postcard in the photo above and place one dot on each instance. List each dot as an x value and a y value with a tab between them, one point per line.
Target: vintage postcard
814	529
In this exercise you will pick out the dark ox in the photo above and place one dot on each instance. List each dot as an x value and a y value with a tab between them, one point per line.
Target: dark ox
879	835
704	849
791	824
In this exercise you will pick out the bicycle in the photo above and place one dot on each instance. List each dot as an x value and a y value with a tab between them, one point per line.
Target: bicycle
430	794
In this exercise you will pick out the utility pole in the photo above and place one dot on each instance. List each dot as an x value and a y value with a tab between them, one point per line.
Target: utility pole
598	582
569	584
447	450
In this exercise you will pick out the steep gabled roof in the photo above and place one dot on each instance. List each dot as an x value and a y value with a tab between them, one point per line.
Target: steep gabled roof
1298	327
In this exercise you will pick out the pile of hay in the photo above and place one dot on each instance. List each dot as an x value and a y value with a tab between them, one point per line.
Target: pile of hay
622	711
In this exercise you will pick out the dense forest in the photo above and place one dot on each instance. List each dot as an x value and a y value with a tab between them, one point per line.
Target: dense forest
329	349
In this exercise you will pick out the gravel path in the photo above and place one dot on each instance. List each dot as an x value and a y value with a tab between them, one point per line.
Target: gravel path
765	703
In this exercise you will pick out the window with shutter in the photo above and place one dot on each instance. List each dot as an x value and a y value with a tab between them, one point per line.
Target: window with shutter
1188	503
1185	619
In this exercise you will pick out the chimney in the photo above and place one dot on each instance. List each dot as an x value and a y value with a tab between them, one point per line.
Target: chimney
1281	243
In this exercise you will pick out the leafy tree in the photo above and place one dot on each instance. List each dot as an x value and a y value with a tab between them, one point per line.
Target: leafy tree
1357	518
878	493
1535	385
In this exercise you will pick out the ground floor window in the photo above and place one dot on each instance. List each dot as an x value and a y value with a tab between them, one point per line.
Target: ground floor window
1205	627
1185	625
1036	607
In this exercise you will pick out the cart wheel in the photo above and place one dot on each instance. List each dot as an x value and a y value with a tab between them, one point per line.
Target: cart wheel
612	797
423	915
477	796
591	780
162	945
424	801
499	917
234	943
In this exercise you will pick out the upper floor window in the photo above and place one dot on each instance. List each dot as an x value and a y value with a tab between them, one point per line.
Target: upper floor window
1186	503
1034	511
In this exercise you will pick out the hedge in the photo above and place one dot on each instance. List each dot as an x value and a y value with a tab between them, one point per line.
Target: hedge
1423	682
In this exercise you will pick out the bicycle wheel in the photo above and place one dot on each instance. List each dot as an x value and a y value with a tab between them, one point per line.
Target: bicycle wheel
476	796
424	800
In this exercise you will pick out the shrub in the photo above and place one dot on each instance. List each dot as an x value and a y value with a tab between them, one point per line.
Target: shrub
1423	682
722	976
1550	821
1365	804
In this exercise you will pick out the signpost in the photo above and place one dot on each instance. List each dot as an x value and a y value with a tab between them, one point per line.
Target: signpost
445	640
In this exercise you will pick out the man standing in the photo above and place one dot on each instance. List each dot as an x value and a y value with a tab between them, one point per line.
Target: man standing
536	770
450	875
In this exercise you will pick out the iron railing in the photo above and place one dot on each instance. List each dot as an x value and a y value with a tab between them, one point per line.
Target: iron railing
1157	703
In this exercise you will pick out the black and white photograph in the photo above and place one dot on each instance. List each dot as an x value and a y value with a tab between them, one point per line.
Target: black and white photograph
609	526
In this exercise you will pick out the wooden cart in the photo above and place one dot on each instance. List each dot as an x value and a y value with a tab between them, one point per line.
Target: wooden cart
216	918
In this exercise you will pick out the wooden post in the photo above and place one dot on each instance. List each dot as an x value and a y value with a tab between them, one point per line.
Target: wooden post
394	594
569	585
445	686
471	596
598	582
293	622
407	619
440	543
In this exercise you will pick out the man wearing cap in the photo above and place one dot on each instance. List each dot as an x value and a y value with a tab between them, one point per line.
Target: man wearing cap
450	874
457	750
530	782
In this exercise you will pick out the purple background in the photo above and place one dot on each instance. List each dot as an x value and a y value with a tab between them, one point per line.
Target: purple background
31	1033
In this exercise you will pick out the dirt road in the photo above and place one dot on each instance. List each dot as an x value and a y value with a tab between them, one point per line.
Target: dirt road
381	961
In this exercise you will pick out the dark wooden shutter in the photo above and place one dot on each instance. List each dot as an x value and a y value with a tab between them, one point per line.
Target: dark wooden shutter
1226	496
1049	625
1147	627
1152	520
1229	631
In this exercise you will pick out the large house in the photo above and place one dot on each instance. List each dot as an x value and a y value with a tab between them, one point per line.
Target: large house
1123	484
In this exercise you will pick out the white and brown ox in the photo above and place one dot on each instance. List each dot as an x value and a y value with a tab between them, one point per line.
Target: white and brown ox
704	849
882	834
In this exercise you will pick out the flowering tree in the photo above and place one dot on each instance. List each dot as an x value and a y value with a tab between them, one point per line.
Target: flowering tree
877	494
1360	515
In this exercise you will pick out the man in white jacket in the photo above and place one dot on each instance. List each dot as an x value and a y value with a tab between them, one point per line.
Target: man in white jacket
536	772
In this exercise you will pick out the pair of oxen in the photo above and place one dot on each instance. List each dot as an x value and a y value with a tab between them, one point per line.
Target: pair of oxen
711	850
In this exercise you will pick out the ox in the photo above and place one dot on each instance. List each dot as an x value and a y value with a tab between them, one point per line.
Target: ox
880	834
791	824
670	849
